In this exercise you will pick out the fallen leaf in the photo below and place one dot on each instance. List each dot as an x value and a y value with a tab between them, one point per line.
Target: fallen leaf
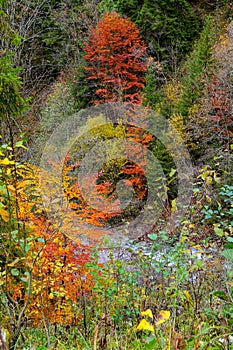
147	313
144	325
163	316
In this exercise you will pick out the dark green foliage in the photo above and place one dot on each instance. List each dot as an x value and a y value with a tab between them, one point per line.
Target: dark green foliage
151	93
81	89
196	68
11	101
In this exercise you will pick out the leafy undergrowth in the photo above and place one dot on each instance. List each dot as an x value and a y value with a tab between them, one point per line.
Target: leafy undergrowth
176	297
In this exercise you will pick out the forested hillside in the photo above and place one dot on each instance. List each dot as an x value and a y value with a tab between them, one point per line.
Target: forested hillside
116	174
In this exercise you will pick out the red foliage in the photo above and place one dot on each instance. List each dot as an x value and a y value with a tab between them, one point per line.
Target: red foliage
221	108
114	56
59	276
59	279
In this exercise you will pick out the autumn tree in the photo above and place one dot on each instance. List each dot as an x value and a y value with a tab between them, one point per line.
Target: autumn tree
114	60
115	68
42	273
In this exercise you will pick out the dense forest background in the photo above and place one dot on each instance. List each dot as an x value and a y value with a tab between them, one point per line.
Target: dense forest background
166	289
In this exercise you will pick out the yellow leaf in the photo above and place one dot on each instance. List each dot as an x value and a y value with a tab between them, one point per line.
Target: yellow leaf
145	326
164	315
173	203
209	180
147	313
11	188
50	295
13	262
4	214
191	226
8	172
187	295
6	161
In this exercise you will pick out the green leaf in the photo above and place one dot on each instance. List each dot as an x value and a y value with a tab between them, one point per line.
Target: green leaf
24	279
227	253
20	144
15	272
219	231
228	246
153	236
26	247
122	271
172	172
199	263
220	294
151	344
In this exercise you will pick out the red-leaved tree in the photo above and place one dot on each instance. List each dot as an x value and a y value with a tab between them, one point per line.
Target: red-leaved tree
114	60
115	68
